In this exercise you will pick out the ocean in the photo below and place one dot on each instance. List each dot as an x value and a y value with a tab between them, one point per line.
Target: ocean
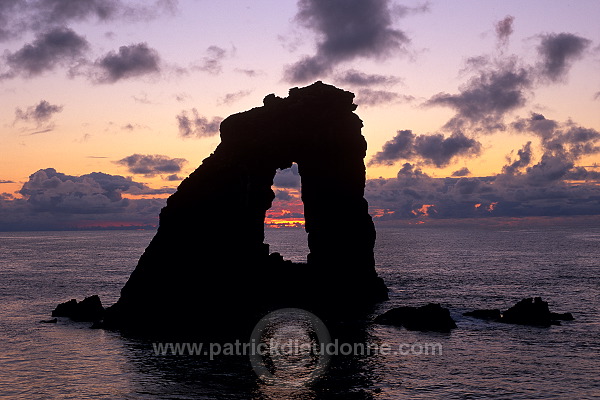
463	268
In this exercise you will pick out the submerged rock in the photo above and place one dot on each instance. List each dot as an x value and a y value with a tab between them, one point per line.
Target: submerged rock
562	316
431	317
208	268
87	310
529	311
493	314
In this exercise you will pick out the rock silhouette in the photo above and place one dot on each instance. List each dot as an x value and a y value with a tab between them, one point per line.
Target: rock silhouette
208	265
430	317
528	311
89	309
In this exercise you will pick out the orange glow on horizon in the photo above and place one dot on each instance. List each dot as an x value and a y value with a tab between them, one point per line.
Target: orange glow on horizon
424	210
286	214
284	223
145	196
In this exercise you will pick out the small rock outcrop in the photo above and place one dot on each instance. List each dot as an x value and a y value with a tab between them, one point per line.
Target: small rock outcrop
208	265
89	309
431	317
491	314
529	311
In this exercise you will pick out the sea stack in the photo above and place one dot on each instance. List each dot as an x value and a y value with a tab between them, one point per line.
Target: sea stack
208	268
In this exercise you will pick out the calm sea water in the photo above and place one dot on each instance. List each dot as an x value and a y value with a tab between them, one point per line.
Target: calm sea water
461	268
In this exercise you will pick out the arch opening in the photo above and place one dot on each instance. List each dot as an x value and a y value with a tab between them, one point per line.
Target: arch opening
284	220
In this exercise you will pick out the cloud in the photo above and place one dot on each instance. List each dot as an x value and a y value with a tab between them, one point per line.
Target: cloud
45	130
398	148
554	185
8	27
250	73
433	149
464	171
196	125
230	98
344	34
357	78
504	29
58	46
64	11
440	151
212	62
401	11
537	124
583	174
53	200
283	195
502	84
562	144
173	177
152	165
523	160
40	113
370	97
130	61
288	178
18	17
484	100
551	168
566	139
557	52
541	191
5	196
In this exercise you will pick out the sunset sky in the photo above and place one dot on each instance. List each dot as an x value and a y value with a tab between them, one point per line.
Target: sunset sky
470	108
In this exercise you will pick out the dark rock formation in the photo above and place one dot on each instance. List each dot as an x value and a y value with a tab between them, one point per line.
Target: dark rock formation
89	309
208	265
431	317
49	321
529	311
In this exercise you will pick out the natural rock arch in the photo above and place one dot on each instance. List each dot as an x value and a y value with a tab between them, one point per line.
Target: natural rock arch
208	258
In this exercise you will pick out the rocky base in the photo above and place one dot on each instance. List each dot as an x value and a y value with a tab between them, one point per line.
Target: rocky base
233	313
529	311
229	321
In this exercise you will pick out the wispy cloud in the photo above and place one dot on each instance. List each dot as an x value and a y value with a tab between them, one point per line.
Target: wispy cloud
357	78
231	98
152	165
20	17
373	97
192	125
212	62
39	114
